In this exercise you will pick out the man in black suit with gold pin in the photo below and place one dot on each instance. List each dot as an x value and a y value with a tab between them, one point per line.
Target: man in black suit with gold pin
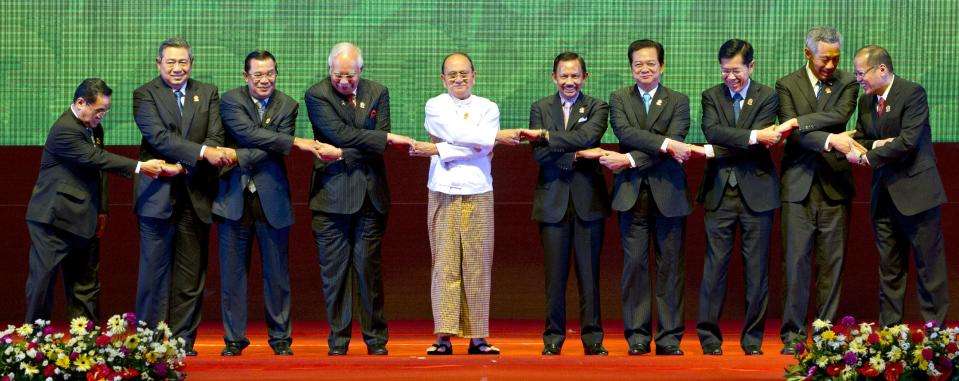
67	212
349	197
893	124
254	201
739	190
817	185
179	118
649	192
570	202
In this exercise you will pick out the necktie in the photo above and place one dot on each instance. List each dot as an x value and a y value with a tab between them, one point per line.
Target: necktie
736	99
179	105
881	108
261	107
646	99
821	85
93	138
567	107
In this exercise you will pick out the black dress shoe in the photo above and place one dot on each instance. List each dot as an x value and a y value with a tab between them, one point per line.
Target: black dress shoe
753	351
234	348
551	350
789	350
337	351
714	350
668	350
282	348
638	349
595	350
377	350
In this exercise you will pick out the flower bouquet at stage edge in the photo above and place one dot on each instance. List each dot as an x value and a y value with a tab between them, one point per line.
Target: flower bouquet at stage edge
122	350
851	351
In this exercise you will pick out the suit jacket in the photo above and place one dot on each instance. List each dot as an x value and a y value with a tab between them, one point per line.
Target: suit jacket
906	166
804	158
641	136
560	177
70	190
177	139
261	146
341	186
752	164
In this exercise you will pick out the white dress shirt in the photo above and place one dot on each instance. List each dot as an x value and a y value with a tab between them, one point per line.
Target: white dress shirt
467	131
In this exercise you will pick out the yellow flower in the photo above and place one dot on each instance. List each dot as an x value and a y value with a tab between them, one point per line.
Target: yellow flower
25	330
28	370
828	335
132	342
117	324
63	361
151	357
82	363
821	324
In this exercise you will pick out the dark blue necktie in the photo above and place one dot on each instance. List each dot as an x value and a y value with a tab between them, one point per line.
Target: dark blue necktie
179	105
821	85
736	99
261	107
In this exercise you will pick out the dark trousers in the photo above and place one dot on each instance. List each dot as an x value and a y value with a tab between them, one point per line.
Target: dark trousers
236	246
815	225
755	230
349	250
641	227
895	234
51	250
583	240
173	261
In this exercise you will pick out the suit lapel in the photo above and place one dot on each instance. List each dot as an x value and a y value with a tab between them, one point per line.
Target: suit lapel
167	103
556	113
189	108
362	103
637	108
574	113
726	105
659	102
893	103
746	111
801	82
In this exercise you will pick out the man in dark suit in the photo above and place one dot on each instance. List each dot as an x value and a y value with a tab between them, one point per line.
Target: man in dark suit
68	208
739	189
254	201
350	197
907	192
649	191
180	121
570	202
817	184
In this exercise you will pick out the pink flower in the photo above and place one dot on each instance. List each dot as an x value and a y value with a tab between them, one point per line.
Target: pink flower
927	354
50	370
103	340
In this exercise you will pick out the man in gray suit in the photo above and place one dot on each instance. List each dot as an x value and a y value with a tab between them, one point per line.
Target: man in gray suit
649	191
254	201
570	202
893	123
350	197
68	208
179	118
817	185
739	190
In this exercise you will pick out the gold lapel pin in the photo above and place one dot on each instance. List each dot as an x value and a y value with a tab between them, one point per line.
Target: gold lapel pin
749	102
466	115
888	108
342	103
582	110
828	90
362	105
196	98
659	102
267	121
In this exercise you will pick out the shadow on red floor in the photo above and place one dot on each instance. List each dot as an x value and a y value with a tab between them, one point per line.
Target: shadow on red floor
519	341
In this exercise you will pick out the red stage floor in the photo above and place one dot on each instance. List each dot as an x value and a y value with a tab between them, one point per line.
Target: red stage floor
519	340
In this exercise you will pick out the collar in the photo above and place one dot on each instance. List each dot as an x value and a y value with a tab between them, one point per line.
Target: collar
182	89
461	102
742	92
570	101
885	94
75	115
652	93
812	77
257	101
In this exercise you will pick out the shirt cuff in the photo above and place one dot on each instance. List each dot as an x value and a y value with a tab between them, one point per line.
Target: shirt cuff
202	150
874	144
632	163
827	148
662	148
709	151
137	170
752	137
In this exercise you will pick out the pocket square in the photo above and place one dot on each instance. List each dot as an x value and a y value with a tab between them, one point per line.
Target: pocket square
581	120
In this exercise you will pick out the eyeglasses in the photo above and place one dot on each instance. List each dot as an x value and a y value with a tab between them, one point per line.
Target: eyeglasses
454	75
347	76
859	75
259	76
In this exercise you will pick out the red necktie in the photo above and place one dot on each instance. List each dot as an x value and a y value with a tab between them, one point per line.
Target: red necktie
882	107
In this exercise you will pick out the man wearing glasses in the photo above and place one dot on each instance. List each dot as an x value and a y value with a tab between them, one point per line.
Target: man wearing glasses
254	201
67	212
893	124
349	195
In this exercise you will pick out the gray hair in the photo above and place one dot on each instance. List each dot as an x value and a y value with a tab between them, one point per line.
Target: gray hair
175	42
826	34
345	48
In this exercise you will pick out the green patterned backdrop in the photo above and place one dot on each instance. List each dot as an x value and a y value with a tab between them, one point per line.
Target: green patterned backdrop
49	46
